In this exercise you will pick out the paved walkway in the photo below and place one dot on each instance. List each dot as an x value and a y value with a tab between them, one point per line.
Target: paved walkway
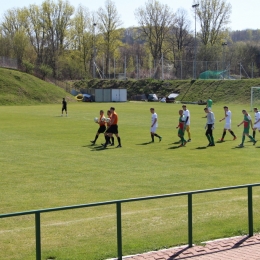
236	248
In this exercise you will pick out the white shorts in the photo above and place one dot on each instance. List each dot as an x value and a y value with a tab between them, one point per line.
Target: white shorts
153	129
209	108
227	126
257	126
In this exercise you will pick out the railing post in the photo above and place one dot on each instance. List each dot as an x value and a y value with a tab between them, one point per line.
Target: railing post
250	211
119	231
38	235
190	219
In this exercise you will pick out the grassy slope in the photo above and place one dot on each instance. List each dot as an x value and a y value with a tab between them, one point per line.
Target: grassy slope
17	88
219	90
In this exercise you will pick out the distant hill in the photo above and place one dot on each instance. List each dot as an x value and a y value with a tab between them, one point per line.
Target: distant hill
18	88
245	35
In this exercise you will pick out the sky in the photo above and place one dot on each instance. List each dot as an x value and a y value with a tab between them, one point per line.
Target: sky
245	14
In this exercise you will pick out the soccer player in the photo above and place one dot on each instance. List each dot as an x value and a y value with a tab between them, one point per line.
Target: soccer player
209	104
113	128
257	121
102	126
64	107
227	126
181	127
247	123
154	125
210	126
186	114
111	142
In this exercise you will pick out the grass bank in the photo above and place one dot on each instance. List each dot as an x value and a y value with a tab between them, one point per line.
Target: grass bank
18	88
235	91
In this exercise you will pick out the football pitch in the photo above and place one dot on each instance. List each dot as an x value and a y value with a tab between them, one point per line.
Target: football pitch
48	161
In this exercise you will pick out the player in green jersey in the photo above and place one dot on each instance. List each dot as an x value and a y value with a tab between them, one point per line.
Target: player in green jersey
247	123
181	127
209	104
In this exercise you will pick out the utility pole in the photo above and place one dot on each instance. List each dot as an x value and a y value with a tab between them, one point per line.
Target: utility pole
223	58
94	50
195	44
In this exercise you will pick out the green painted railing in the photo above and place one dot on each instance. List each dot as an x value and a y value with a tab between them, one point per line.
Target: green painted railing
118	203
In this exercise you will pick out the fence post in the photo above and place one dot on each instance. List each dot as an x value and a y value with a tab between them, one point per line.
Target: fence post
38	235
250	211
119	230
190	219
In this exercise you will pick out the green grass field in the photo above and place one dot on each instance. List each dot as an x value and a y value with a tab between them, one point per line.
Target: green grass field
48	161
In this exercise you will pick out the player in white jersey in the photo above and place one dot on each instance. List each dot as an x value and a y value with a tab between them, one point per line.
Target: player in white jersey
257	121
227	126
186	114
210	126
154	125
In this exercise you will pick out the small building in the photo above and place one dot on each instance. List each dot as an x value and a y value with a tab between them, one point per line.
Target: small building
110	95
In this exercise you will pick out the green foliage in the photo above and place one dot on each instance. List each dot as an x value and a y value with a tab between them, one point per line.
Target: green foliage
214	18
28	66
45	70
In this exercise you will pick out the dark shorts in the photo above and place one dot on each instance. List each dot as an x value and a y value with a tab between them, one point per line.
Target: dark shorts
209	130
113	129
246	130
180	132
101	129
64	108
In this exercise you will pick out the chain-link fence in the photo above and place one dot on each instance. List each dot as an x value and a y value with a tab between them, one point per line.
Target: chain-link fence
179	69
8	63
163	69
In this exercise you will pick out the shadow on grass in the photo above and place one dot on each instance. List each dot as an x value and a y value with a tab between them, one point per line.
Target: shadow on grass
201	148
220	142
175	147
176	142
95	147
238	147
98	148
146	143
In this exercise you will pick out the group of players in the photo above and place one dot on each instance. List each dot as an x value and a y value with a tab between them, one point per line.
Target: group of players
184	125
108	127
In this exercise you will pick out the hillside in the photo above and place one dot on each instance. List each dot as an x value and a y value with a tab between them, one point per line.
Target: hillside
237	91
18	88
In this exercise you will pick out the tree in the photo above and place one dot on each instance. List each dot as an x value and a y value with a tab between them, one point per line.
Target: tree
82	36
14	30
155	20
213	16
57	18
108	25
36	29
180	39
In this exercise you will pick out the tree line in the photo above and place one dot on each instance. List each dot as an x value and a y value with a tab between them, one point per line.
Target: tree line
56	39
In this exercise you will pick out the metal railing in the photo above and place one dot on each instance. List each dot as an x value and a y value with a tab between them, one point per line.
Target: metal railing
118	203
